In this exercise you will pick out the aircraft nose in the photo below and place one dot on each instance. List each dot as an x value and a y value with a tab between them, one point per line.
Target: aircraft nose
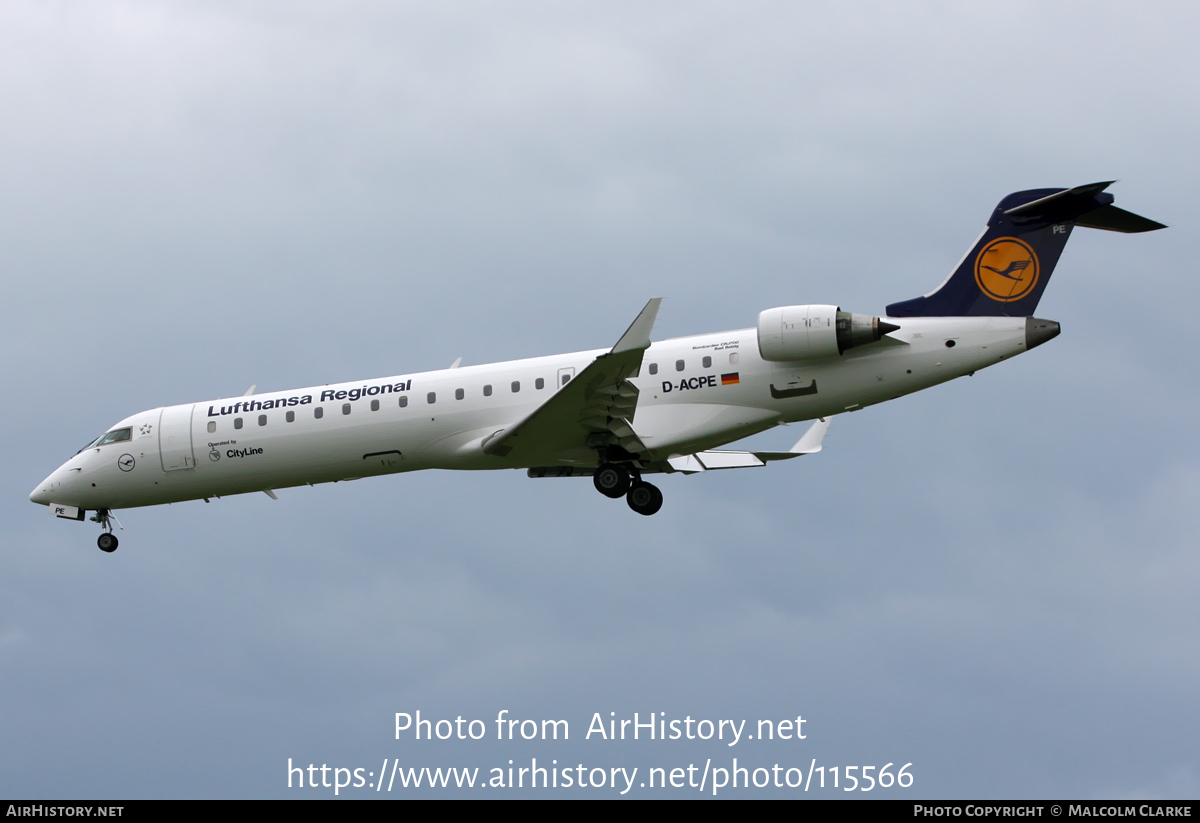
43	493
40	495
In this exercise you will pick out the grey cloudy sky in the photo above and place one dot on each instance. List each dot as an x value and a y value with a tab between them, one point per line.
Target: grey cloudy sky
994	580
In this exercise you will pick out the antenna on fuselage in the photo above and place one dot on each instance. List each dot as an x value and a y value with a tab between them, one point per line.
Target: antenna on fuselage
250	390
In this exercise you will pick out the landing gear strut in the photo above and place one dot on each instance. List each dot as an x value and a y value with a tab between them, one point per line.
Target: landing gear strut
107	541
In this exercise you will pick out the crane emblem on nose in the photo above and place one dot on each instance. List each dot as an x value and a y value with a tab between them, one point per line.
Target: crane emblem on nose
125	462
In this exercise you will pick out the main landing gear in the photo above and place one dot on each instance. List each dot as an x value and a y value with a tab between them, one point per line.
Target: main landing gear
107	541
613	480
644	498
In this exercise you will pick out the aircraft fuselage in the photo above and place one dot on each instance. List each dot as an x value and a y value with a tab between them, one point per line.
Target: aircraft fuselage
694	393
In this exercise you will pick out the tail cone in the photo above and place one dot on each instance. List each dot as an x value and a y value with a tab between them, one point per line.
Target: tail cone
1039	331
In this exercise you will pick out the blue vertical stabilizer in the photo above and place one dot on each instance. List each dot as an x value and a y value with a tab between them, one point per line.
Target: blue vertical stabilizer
1006	271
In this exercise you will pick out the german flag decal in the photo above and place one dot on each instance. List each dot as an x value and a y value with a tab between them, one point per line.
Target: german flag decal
729	379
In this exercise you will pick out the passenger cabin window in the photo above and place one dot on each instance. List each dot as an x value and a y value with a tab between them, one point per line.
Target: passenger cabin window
487	390
212	425
374	405
262	420
733	358
237	422
403	400
431	397
345	408
566	379
539	383
678	365
459	394
516	386
707	362
318	412
291	417
654	368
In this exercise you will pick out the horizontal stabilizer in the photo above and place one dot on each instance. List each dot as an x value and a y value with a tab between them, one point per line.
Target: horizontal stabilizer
1111	218
1065	204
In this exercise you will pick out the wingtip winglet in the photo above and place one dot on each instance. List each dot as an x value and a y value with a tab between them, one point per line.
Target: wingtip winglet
810	443
637	336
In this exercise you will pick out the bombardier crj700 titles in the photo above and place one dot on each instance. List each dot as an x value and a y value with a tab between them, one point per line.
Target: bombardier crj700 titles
615	414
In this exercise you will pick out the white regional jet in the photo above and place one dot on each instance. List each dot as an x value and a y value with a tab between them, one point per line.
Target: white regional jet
615	414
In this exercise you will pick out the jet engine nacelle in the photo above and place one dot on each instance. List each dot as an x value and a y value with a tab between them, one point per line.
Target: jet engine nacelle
792	333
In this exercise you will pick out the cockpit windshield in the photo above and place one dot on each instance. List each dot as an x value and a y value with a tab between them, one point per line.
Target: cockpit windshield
114	436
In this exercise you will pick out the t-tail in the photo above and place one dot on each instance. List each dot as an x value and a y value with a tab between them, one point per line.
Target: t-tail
1006	271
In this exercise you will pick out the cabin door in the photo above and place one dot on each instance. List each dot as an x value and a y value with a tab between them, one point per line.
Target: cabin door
175	438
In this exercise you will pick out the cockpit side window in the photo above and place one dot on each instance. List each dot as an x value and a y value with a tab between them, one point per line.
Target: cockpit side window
114	436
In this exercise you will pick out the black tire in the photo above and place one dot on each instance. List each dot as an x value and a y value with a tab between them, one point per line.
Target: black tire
611	480
644	498
107	542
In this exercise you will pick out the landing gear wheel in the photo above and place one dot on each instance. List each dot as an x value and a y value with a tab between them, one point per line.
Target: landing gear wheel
644	498
611	480
107	542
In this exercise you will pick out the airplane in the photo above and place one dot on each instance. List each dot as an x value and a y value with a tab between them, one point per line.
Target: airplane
617	415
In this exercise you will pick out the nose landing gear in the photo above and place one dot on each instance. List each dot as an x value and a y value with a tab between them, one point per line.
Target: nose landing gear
107	541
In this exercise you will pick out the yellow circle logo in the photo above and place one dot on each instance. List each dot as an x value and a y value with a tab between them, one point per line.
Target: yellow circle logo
1006	269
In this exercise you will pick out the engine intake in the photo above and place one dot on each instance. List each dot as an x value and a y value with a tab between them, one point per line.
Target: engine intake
791	333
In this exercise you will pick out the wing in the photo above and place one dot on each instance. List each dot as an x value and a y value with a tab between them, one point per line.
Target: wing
594	410
810	443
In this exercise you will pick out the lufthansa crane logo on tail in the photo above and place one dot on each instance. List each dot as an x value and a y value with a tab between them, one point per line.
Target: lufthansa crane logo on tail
1006	269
